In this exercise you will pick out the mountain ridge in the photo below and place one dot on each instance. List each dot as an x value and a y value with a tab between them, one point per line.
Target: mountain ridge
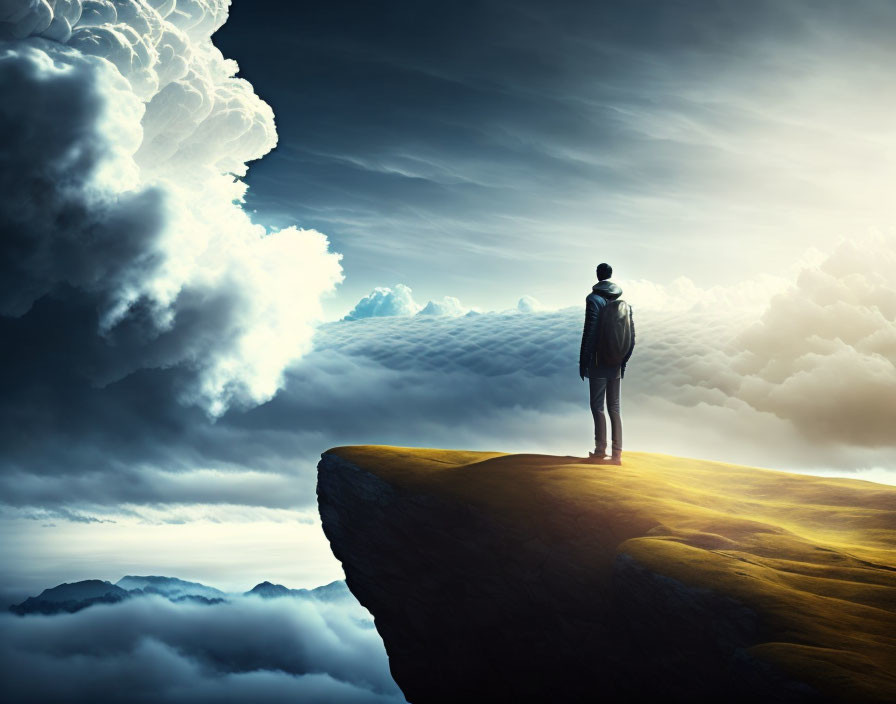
70	597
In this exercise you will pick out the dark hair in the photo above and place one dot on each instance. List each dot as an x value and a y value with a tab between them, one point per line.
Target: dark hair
604	271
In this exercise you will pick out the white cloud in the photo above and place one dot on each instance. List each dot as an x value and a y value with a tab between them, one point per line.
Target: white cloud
822	354
152	650
747	297
449	305
384	302
529	304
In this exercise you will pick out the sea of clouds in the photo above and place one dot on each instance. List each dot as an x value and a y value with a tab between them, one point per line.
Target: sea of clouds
789	373
152	650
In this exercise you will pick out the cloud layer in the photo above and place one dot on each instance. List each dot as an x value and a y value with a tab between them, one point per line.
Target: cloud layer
804	384
808	366
152	650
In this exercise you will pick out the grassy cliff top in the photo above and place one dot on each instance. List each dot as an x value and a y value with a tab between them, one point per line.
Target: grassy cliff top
815	557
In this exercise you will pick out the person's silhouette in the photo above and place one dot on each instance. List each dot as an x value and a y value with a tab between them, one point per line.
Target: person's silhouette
608	339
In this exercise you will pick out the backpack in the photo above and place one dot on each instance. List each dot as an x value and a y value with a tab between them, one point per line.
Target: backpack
615	334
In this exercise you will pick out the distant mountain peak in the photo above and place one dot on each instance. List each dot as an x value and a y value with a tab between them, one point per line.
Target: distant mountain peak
269	590
168	586
160	580
71	596
333	591
84	589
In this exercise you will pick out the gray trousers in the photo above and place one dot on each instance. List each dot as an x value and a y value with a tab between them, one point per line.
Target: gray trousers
612	390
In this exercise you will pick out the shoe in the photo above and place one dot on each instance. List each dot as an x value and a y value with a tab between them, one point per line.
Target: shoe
615	459
597	458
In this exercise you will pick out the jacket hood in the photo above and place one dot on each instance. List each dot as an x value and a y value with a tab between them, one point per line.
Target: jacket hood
607	289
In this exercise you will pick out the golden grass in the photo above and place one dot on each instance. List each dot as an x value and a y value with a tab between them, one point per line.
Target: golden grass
814	556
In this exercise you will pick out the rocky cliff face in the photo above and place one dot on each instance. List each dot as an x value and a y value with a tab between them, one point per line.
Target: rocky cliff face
476	606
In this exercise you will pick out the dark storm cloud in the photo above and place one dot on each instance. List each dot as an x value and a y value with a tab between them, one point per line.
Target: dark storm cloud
69	249
152	650
86	267
57	422
129	442
66	251
54	228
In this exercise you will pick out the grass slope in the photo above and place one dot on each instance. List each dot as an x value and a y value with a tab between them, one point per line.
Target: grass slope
815	557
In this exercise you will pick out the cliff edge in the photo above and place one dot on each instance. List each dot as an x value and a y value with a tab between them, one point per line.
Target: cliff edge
496	577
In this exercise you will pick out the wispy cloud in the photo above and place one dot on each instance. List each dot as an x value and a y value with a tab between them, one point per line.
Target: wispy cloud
714	140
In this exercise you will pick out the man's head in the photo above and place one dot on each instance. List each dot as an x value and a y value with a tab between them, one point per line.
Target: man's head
604	271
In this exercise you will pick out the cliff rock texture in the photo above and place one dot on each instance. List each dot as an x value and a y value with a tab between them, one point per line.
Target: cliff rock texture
499	578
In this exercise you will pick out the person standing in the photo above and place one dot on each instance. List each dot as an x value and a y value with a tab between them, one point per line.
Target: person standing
608	340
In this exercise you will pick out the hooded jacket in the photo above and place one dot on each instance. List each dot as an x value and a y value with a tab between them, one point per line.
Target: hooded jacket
595	301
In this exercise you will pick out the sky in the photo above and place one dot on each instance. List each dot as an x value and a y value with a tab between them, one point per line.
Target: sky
237	235
491	149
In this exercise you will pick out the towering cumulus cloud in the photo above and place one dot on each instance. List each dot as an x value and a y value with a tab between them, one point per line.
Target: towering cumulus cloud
822	355
125	246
